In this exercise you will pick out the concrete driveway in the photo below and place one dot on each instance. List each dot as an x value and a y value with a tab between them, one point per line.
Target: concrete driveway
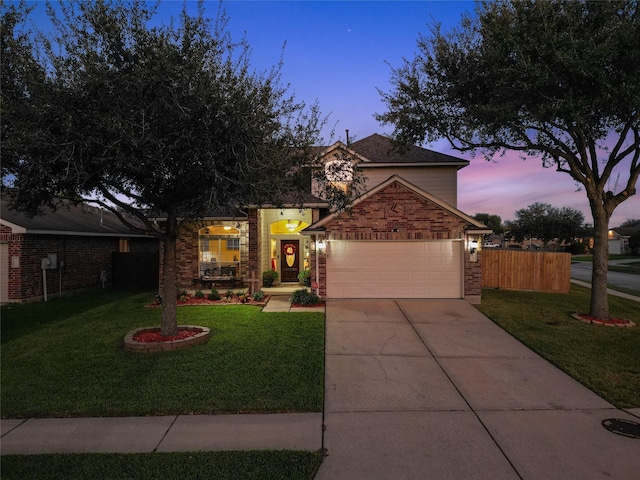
419	389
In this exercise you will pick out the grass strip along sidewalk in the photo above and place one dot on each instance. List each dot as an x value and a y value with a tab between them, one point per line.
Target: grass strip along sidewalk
604	359
262	465
64	358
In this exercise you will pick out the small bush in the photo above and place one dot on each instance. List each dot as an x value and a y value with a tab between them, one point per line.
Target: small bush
182	296
259	295
229	293
214	295
303	297
199	294
268	278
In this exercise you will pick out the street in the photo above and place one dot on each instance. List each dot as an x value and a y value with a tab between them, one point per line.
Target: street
628	281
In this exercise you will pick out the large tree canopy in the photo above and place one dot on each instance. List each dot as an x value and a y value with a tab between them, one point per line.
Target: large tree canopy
547	223
148	121
557	80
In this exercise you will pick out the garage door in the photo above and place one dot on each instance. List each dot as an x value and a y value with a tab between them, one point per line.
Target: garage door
394	269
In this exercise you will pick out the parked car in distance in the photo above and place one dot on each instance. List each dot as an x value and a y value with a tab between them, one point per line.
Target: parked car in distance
491	245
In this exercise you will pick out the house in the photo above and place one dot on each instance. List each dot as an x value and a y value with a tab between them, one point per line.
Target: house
403	238
619	240
70	249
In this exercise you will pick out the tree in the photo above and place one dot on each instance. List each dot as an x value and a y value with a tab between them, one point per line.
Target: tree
557	80
149	122
494	222
547	223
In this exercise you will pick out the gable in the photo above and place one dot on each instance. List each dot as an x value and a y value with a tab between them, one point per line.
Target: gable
396	210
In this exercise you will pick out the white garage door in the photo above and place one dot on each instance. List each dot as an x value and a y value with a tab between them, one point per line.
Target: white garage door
393	269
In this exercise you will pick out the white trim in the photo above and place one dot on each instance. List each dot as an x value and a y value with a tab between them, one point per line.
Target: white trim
15	228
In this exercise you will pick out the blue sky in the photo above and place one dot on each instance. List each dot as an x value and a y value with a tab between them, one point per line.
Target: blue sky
337	53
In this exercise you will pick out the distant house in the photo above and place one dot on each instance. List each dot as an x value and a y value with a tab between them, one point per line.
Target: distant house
404	236
619	240
62	251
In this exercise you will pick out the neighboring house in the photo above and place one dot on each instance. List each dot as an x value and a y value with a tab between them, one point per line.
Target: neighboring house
403	238
619	240
62	251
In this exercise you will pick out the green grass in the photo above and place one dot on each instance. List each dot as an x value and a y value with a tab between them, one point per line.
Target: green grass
613	256
604	359
632	268
263	465
65	359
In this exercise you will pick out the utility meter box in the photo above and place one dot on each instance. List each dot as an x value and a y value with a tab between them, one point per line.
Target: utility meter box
49	263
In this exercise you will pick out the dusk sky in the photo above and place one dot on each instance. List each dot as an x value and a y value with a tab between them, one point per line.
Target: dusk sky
337	52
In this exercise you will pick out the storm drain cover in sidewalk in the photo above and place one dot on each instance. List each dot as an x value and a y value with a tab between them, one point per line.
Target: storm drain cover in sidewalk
620	426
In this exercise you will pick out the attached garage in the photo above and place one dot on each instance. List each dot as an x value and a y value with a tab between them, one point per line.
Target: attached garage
394	269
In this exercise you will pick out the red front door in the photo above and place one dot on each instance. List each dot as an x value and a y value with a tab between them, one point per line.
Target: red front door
289	260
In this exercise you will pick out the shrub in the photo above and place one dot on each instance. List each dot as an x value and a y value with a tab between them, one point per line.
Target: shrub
303	297
268	278
214	295
182	296
199	294
259	295
305	277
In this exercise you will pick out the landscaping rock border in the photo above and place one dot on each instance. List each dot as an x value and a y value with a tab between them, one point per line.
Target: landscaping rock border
166	346
614	322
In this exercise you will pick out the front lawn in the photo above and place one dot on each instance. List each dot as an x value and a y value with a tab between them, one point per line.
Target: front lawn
65	359
605	359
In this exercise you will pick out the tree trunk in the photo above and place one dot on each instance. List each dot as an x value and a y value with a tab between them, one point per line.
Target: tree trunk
169	325
599	302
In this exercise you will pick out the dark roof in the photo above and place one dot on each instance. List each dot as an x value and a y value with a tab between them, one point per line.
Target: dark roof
379	149
626	231
68	219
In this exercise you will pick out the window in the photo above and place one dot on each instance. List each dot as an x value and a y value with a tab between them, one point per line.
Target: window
233	244
123	245
339	173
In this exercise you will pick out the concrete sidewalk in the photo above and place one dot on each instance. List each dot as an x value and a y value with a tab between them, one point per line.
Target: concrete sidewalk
433	389
181	433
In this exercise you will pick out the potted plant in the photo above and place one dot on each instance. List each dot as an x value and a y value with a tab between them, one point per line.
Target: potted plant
305	277
268	278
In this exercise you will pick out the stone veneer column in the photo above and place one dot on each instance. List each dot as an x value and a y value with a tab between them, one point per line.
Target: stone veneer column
254	246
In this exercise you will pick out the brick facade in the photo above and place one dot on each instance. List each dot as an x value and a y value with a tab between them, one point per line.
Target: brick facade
80	261
398	213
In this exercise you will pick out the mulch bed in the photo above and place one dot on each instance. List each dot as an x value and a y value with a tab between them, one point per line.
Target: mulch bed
157	336
191	300
612	322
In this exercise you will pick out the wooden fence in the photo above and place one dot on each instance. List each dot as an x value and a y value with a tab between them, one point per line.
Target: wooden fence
526	270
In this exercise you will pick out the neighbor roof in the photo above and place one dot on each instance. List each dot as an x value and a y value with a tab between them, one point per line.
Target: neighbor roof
69	219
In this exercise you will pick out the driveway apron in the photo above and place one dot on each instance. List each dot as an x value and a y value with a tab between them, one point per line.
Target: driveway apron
419	389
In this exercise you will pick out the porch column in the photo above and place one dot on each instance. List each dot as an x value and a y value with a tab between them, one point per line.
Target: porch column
254	247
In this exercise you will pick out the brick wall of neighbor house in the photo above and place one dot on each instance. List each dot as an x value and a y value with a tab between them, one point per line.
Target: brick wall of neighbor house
83	257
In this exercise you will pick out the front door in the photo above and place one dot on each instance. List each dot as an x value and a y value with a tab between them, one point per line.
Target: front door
289	260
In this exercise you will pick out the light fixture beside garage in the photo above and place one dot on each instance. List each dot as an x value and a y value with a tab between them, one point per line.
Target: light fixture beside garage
473	243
